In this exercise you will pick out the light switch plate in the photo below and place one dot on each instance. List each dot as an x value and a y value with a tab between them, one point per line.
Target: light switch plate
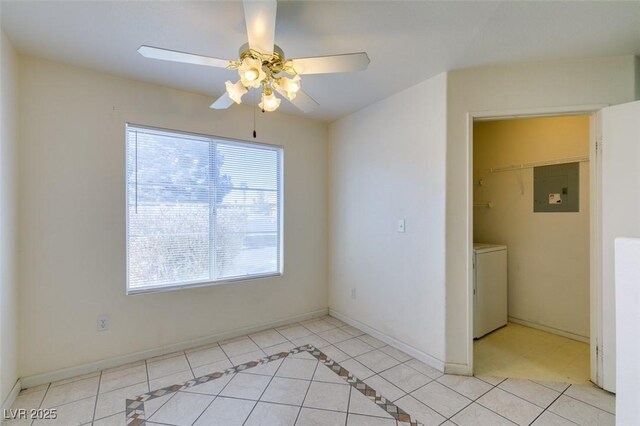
401	225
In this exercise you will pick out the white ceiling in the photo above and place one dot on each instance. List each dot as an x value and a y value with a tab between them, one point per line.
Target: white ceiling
407	42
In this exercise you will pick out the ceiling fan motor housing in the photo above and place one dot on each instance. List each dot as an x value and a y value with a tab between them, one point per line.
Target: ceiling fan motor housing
274	62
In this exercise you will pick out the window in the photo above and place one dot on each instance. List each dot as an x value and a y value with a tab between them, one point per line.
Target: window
200	209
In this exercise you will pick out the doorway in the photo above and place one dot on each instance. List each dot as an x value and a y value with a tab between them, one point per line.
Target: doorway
531	195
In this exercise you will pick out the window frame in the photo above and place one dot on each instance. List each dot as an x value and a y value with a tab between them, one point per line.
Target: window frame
279	149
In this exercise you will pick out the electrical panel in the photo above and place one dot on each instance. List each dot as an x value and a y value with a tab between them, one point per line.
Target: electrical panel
556	188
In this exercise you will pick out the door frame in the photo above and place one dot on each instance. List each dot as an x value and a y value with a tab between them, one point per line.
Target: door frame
595	215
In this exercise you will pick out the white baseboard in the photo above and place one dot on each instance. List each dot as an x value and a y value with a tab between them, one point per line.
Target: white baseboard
391	341
551	330
458	369
10	399
91	367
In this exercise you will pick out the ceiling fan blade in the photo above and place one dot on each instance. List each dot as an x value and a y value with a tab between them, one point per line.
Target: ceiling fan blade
223	102
187	58
260	17
330	64
304	102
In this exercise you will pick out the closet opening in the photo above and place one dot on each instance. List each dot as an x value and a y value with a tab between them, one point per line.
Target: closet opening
531	303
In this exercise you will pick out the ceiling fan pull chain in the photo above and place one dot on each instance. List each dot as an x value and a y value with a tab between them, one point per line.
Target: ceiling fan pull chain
253	95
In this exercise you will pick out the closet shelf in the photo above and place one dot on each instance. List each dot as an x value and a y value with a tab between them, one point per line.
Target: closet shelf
486	204
537	164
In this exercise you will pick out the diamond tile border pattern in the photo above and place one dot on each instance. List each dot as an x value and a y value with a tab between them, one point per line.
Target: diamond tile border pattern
135	415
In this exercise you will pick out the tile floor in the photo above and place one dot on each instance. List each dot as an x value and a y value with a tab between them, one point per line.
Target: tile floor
523	352
299	388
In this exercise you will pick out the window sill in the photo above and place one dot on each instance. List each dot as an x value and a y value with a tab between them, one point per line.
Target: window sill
175	287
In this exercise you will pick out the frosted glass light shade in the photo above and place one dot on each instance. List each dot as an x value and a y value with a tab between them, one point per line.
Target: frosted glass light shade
251	72
269	101
235	90
289	86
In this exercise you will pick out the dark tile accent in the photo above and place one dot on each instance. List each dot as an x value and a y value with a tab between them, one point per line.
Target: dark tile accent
135	415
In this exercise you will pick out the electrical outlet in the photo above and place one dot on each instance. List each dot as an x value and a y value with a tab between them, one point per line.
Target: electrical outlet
103	323
353	293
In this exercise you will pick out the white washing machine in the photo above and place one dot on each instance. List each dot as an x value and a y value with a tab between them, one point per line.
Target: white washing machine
489	288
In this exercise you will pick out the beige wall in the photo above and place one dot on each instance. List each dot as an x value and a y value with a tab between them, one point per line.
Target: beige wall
525	88
8	280
548	261
72	219
387	162
637	77
404	157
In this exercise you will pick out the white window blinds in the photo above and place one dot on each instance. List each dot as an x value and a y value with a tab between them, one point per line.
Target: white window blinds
200	209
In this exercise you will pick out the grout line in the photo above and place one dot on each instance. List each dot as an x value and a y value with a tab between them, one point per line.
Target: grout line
392	384
282	403
147	415
476	400
490	389
254	342
307	392
281	335
41	401
206	408
519	397
120	387
95	405
591	405
562	417
243	353
561	393
409	393
45	395
110	415
225	354
456	413
541	413
225	386
436	378
346	418
538	383
72	402
156	423
471	400
189	364
496	413
265	389
363	353
146	367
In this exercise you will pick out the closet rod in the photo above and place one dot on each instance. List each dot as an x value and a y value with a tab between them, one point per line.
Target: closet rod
537	164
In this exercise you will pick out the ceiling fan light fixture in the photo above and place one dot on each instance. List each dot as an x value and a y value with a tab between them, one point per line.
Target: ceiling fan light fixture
251	72
269	101
289	86
235	90
262	63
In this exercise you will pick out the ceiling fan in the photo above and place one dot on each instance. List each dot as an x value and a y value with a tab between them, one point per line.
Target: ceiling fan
262	64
